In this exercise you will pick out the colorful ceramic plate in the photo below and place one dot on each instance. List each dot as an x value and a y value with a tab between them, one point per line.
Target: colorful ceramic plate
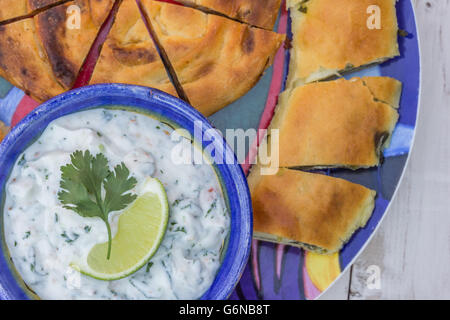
283	272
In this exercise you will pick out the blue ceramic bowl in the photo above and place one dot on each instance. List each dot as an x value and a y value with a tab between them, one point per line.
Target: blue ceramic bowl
155	103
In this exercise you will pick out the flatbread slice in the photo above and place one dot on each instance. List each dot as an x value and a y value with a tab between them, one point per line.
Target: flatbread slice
332	36
128	54
24	64
337	123
217	60
12	9
66	43
312	211
260	13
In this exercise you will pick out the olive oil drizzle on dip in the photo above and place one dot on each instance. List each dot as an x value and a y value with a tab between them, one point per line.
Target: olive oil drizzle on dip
44	238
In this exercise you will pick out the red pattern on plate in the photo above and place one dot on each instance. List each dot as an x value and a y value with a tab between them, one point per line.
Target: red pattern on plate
272	98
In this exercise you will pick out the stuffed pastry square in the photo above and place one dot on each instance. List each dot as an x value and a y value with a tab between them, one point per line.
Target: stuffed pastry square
312	211
340	123
335	36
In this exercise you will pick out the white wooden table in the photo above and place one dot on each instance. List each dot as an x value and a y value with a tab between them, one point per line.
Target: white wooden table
412	247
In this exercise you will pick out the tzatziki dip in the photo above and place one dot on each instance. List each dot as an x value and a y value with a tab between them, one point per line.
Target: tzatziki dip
44	238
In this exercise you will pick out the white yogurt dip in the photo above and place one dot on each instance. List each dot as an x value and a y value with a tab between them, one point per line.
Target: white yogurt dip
44	238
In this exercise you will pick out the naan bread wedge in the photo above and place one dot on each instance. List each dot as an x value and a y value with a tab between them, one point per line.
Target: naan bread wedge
11	9
260	13
217	60
339	123
128	54
312	211
65	42
23	62
332	36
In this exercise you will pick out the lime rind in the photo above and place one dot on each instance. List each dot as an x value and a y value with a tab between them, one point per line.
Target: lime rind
150	188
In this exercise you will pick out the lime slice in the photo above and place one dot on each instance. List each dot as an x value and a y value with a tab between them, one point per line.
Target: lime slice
141	228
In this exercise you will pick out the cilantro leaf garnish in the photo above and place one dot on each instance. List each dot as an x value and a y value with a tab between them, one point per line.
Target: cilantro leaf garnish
91	189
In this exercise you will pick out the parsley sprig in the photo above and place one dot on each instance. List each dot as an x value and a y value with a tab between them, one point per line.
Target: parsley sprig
91	189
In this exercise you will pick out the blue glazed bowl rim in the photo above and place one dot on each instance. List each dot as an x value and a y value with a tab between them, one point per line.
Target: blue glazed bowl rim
153	102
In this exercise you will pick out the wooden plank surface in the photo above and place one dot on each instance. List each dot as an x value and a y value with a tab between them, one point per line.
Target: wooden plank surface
412	248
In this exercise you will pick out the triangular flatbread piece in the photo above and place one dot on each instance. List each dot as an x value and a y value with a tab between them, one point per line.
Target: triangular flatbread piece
23	62
260	13
67	33
312	211
217	60
128	54
14	9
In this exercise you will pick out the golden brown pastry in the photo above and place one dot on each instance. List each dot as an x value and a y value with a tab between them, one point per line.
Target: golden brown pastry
385	89
332	36
129	56
11	9
65	43
336	123
23	62
260	13
217	60
313	211
3	131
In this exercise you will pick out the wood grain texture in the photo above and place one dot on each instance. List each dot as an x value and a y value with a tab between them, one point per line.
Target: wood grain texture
412	247
339	290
